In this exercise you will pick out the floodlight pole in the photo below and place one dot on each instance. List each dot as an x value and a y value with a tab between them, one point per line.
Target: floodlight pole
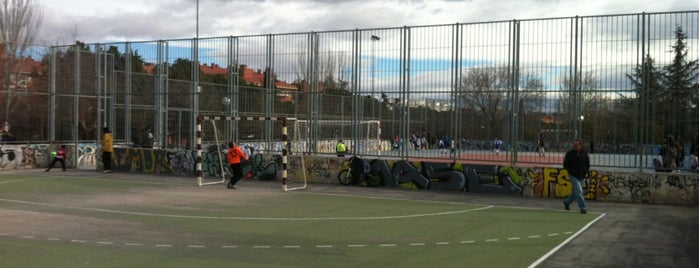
374	39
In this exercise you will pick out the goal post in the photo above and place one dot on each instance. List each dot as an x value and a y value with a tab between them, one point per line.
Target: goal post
254	133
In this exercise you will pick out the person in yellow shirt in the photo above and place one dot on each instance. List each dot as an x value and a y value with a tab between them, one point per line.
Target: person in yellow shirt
107	150
341	149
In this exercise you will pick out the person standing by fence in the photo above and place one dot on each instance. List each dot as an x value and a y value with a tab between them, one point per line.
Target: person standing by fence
107	150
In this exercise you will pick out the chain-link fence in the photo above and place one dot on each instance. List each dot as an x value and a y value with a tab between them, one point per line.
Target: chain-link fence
622	83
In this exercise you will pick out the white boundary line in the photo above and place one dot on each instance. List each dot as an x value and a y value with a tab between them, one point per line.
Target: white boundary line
554	250
246	218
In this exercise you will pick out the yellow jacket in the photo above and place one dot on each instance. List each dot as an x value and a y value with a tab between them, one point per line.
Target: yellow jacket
107	143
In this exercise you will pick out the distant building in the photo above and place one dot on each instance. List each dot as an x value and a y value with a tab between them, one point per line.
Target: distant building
248	76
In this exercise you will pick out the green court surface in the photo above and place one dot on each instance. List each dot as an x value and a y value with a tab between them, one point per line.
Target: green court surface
117	220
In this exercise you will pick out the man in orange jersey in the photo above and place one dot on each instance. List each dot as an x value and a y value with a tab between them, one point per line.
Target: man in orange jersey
234	158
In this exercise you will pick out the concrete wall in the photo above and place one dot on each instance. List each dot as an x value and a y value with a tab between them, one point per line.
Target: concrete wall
665	188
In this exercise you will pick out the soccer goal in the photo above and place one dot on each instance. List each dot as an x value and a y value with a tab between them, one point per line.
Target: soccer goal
360	136
266	135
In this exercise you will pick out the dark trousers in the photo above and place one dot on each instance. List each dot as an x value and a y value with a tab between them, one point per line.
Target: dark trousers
237	170
56	159
107	160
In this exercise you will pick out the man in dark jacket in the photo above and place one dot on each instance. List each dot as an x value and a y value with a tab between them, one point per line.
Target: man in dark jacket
577	163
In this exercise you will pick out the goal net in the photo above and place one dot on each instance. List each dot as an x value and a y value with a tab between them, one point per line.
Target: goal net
321	136
258	137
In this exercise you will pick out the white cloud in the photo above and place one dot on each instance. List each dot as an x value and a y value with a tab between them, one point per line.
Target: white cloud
135	20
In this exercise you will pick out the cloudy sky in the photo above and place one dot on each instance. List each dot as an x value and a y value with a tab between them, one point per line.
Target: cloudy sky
65	21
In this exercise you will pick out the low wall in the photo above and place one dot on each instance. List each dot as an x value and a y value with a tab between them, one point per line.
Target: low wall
640	187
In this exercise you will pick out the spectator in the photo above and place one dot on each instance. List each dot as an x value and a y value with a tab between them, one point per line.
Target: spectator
341	149
107	150
498	145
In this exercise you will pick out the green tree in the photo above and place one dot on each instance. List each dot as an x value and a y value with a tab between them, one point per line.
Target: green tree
679	79
649	98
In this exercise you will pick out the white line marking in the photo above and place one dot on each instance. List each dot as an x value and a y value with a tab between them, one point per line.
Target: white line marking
132	244
293	246
29	179
553	234
226	246
534	236
27	237
261	247
248	218
387	245
442	243
356	246
417	244
53	239
195	246
324	246
568	232
105	243
78	241
491	240
468	242
565	242
513	238
163	245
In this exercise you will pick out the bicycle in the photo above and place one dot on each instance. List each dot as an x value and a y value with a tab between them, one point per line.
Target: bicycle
358	172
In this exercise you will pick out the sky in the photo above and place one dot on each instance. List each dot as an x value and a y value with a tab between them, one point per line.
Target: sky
103	21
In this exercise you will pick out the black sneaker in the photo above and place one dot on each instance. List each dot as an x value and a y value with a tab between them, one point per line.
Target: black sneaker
583	211
565	205
231	186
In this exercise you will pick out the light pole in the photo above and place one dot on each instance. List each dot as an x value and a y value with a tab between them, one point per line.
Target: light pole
374	39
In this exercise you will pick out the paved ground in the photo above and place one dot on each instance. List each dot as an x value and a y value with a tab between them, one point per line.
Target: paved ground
630	235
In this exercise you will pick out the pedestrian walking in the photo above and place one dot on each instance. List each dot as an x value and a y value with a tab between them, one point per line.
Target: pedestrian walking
577	163
540	145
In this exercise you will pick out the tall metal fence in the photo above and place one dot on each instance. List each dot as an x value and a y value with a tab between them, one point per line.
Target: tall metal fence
605	79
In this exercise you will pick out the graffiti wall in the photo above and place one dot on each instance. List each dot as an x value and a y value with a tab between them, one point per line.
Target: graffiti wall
552	182
25	156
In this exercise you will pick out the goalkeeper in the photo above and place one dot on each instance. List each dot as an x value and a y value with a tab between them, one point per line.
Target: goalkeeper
234	156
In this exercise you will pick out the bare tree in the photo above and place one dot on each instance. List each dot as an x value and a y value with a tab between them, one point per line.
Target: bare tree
579	97
485	90
19	24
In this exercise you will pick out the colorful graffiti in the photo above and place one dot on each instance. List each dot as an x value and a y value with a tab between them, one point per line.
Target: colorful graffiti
553	182
11	156
143	160
25	156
